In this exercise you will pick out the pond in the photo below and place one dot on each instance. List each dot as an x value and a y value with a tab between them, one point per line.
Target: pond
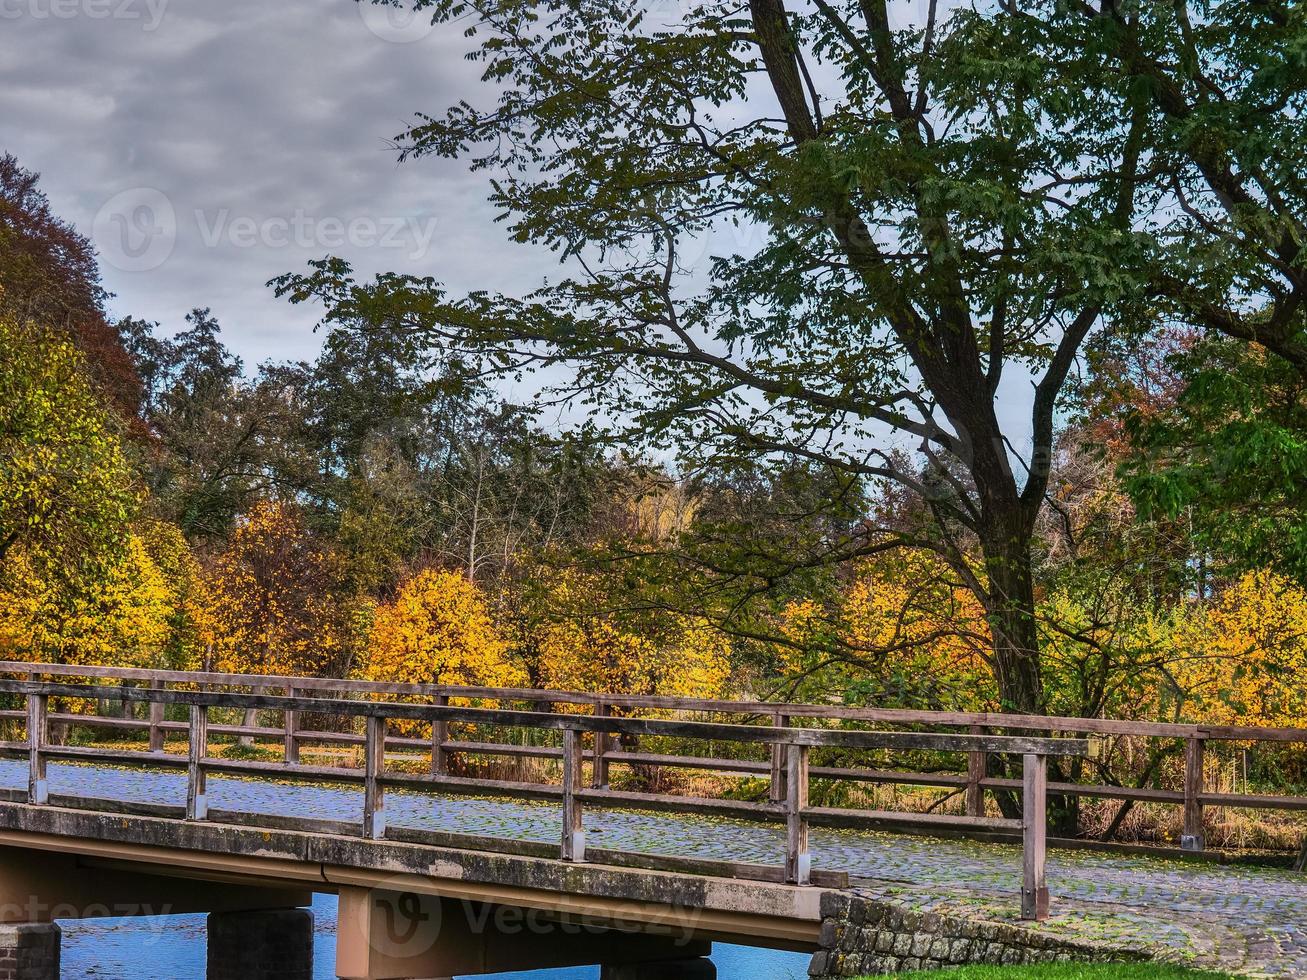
172	948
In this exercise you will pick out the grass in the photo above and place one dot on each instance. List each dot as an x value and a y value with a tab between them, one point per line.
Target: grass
1069	971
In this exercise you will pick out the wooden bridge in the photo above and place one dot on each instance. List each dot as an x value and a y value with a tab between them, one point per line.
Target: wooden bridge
406	890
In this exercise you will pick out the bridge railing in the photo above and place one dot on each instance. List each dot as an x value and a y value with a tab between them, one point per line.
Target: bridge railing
793	807
1189	742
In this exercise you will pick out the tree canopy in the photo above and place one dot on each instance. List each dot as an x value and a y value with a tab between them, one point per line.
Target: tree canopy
937	355
924	212
924	220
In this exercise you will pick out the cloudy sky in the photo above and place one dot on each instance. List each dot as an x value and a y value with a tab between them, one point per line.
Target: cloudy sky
209	145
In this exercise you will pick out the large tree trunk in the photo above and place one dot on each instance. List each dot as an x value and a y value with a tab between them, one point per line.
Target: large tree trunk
1013	626
1011	613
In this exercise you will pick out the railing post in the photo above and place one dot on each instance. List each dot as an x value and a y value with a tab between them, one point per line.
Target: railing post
439	737
977	769
778	762
1192	837
600	769
197	804
156	723
38	789
573	848
374	796
250	718
292	727
798	860
1034	822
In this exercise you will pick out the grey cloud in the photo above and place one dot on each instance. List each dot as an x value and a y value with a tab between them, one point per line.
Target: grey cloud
266	126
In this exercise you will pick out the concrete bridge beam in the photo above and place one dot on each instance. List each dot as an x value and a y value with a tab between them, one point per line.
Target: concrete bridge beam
40	886
276	944
44	885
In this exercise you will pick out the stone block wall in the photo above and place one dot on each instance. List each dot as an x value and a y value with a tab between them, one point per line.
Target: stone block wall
863	936
29	952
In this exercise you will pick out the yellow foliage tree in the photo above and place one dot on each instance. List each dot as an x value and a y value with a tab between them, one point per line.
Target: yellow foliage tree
905	627
689	660
67	492
1237	657
125	620
578	643
1241	658
439	630
78	582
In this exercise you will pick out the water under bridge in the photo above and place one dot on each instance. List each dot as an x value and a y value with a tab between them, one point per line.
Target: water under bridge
473	831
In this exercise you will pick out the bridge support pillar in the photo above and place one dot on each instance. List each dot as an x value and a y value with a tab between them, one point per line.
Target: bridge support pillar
29	951
693	969
384	935
276	944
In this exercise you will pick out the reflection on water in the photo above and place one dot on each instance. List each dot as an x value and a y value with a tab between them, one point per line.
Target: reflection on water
172	948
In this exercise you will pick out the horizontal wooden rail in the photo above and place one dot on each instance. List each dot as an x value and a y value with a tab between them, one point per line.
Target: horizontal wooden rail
795	745
974	783
905	716
283	682
714	731
976	780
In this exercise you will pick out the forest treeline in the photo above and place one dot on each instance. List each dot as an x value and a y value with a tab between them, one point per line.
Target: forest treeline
383	512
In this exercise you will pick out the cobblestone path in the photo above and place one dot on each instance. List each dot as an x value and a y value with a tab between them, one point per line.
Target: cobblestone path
1251	921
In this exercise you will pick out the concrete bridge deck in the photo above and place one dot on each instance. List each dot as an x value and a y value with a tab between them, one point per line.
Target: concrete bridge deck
1246	920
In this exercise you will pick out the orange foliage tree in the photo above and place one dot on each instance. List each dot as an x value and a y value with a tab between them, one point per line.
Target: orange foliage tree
275	601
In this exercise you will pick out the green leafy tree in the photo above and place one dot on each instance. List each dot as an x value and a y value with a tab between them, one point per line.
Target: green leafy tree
1225	84
929	210
67	491
1216	436
418	461
1227	454
223	440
